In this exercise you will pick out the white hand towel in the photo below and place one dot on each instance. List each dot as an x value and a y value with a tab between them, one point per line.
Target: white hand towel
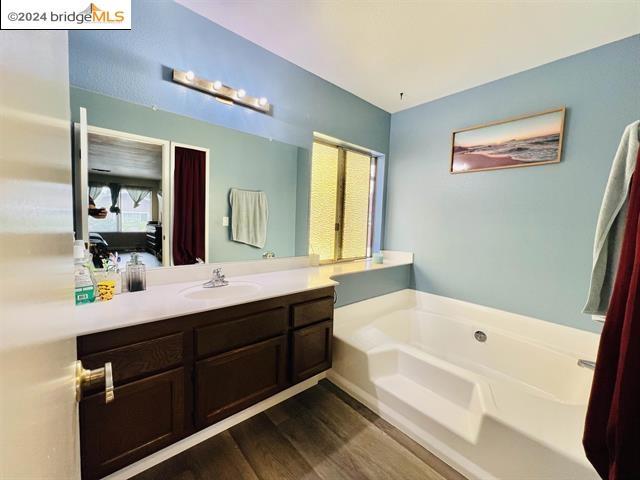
249	217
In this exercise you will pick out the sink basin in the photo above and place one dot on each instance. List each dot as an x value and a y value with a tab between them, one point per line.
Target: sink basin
233	290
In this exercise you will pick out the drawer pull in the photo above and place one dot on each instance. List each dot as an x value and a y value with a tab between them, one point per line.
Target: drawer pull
86	378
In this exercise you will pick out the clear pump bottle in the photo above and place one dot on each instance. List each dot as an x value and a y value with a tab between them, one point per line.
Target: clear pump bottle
136	274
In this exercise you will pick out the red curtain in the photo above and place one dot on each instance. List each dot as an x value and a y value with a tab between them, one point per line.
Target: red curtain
612	430
189	205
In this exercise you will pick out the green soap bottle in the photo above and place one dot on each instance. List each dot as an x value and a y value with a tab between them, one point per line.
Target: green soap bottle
85	287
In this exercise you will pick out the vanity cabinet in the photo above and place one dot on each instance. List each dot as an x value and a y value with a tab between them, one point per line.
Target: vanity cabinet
311	350
235	380
177	376
146	415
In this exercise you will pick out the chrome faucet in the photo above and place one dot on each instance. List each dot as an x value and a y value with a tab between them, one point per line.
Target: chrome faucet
217	279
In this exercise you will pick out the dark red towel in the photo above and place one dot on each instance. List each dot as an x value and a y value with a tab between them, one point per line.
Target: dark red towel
612	429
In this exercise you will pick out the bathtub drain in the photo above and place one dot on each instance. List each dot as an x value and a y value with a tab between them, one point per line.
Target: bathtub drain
480	336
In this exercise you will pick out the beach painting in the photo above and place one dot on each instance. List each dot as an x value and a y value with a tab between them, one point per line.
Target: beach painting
518	142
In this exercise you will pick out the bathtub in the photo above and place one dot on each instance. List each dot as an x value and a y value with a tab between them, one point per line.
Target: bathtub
494	394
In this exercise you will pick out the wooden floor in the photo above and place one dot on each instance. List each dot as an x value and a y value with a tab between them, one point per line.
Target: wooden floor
321	433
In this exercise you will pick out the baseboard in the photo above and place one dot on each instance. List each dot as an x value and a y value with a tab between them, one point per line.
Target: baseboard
198	437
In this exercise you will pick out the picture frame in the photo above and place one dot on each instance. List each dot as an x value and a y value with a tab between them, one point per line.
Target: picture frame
522	141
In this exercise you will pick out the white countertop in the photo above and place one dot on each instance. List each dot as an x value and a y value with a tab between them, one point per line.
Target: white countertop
160	302
164	300
48	320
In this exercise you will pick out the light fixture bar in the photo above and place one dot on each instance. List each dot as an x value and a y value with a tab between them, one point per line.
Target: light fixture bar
221	91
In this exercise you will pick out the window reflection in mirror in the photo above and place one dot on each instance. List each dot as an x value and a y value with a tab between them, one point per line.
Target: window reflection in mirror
125	205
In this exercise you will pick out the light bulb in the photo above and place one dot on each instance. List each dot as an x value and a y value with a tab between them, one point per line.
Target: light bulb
190	76
217	85
241	93
262	101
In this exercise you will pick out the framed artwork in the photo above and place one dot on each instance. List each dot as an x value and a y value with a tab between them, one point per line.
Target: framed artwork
524	141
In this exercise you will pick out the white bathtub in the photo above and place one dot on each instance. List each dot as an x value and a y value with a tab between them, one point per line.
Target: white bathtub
509	408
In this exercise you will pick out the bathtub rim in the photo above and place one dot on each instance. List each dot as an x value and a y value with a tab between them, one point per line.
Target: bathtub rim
562	338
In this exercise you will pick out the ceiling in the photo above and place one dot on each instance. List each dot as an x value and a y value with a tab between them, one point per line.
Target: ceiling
124	158
427	49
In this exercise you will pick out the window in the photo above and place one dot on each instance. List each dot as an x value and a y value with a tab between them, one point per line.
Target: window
109	224
342	198
129	219
134	219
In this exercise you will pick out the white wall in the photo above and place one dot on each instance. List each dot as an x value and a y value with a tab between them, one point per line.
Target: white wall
38	413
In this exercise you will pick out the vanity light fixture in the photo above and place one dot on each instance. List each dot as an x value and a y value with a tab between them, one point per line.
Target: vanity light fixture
222	92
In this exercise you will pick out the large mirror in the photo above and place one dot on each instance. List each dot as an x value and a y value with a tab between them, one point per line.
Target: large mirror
180	191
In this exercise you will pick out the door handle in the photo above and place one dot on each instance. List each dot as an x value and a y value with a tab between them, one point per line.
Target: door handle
86	378
587	364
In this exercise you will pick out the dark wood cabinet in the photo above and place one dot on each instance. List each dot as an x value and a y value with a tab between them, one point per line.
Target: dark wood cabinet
233	381
174	377
311	312
153	240
311	350
221	337
146	416
141	358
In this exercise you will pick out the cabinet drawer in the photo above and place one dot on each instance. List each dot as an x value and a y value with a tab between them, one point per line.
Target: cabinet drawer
142	358
222	337
144	417
233	381
311	350
311	312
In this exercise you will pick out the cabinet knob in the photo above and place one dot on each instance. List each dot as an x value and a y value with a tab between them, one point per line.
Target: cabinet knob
86	378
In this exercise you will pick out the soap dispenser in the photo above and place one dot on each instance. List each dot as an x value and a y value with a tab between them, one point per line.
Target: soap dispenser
85	285
136	274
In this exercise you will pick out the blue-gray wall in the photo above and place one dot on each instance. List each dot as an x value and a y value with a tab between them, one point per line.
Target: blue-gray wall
136	66
517	239
360	286
237	160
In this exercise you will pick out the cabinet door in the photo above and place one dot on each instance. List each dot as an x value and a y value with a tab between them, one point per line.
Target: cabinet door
311	350
145	416
233	381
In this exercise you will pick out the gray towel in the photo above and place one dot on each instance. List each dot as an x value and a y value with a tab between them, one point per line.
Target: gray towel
611	222
249	216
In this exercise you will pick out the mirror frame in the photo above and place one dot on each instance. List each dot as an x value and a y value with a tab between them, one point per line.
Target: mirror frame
81	179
